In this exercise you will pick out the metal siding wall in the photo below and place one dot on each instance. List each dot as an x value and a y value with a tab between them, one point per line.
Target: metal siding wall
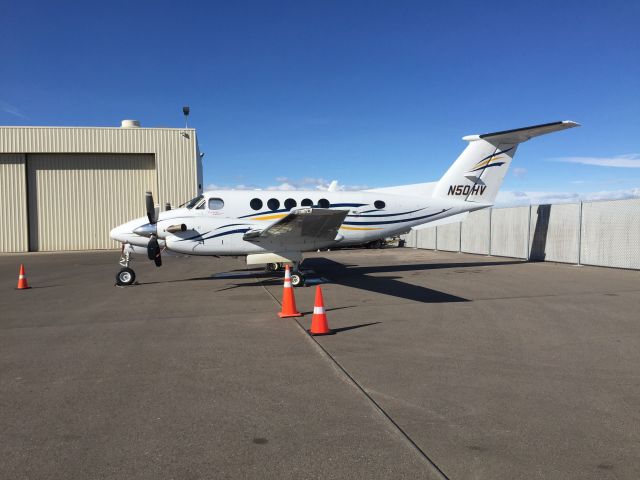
409	238
555	231
476	231
76	199
175	153
426	238
611	234
13	204
449	237
509	229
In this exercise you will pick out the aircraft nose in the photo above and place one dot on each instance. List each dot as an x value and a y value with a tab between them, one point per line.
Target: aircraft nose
119	233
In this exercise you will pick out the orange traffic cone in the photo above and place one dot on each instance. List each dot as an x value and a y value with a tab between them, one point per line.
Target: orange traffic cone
22	279
288	300
319	325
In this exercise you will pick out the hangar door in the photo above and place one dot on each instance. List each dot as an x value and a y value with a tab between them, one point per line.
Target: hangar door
13	204
76	199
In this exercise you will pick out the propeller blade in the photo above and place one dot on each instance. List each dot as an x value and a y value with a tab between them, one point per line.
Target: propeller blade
153	251
152	215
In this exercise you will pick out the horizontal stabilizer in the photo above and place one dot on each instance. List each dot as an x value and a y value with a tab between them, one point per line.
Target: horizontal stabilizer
519	135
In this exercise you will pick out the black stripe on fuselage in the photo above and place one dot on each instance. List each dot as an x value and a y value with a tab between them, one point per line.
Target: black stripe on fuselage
198	235
397	221
348	205
386	214
230	232
232	225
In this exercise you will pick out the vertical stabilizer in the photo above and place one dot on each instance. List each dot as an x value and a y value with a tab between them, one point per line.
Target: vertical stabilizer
478	173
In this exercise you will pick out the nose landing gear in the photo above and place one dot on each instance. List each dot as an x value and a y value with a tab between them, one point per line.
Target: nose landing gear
125	276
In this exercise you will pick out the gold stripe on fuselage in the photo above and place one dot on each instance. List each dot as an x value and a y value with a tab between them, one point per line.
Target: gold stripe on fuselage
359	228
271	217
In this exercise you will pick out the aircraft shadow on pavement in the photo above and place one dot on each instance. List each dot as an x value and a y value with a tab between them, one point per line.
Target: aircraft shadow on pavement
358	277
355	276
232	275
353	327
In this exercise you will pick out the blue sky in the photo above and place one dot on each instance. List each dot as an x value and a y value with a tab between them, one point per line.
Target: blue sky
368	93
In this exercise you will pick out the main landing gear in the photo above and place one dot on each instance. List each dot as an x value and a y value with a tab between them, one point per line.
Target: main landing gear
274	267
125	276
297	278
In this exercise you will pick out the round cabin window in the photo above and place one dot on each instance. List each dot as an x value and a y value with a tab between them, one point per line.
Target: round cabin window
256	204
379	204
273	204
290	203
324	203
306	202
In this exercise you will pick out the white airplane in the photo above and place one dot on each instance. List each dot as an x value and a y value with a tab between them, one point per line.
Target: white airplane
277	227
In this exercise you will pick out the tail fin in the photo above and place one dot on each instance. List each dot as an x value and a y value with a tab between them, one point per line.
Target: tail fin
477	174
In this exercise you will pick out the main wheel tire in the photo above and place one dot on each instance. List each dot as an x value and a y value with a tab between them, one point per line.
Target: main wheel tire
272	267
297	279
125	276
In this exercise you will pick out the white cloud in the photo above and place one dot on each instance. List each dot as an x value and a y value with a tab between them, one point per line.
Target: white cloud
11	110
240	186
284	186
510	198
519	172
287	184
631	160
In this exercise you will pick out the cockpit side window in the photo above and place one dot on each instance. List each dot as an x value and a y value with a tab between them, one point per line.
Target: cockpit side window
216	204
196	202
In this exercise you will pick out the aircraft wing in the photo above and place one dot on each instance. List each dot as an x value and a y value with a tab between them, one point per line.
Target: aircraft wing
310	224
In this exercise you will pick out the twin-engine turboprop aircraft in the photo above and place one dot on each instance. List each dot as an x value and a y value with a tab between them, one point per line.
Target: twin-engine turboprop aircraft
274	228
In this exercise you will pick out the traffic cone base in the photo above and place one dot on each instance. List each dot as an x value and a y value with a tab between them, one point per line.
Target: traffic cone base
330	332
319	324
22	280
288	299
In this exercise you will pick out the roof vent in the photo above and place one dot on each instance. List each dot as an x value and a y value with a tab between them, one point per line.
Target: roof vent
130	124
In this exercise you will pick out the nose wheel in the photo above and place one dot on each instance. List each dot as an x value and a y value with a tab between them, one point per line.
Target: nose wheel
126	276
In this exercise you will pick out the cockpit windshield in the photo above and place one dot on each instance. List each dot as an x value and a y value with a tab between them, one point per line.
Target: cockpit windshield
194	202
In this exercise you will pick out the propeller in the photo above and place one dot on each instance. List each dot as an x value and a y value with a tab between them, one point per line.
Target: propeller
153	251
152	213
153	248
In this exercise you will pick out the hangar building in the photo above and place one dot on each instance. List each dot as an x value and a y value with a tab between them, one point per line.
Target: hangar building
64	188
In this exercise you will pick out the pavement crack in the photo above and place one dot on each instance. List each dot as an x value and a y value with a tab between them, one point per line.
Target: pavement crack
376	406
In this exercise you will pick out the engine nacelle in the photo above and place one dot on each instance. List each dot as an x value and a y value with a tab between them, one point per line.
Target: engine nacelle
262	258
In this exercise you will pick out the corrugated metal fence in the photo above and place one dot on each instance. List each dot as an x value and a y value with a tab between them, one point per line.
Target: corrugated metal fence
604	233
